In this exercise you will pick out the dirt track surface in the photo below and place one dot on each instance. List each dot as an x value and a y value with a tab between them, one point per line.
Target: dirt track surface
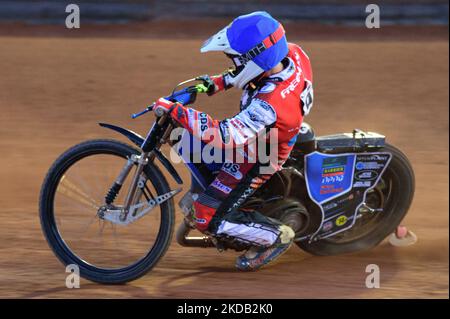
53	91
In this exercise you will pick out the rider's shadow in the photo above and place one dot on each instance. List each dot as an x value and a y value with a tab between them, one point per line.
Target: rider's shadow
298	275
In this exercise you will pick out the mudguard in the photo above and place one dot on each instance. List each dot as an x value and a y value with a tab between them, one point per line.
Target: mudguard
138	140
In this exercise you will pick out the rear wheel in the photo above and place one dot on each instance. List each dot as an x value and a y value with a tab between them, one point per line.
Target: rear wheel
73	192
393	194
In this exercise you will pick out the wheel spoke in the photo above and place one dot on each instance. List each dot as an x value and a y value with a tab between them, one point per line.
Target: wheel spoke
85	228
71	190
101	227
116	237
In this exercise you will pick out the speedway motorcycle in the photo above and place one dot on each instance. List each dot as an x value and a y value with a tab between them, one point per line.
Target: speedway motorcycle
107	207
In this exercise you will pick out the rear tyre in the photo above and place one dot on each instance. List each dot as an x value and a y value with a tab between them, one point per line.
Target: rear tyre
397	187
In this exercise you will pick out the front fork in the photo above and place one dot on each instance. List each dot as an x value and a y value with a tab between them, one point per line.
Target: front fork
146	156
141	161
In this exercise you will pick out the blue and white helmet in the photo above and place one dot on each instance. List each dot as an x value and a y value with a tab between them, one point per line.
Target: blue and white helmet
255	42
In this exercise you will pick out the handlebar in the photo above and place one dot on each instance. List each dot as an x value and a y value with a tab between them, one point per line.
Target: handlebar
147	109
184	96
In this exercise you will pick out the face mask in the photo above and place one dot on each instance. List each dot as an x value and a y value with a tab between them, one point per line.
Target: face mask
241	74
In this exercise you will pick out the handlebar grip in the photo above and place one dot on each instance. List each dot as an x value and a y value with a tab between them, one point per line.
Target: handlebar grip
201	88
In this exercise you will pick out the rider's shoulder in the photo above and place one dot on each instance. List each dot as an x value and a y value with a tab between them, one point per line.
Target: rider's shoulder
296	52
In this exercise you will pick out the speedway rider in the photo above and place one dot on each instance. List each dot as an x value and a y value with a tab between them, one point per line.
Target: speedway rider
276	79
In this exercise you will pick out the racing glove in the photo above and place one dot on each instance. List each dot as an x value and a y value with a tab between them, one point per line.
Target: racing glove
163	106
214	84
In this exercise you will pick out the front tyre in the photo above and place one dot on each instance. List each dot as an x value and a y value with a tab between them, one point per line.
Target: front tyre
393	193
72	192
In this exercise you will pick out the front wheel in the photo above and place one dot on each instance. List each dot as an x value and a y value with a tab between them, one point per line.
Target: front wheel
71	195
393	195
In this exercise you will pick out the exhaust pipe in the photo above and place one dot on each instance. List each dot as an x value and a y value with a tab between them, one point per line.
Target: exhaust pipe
194	241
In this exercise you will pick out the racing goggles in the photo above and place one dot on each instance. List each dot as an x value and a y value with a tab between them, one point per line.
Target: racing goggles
269	41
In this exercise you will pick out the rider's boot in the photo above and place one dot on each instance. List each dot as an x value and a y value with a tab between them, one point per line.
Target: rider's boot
256	257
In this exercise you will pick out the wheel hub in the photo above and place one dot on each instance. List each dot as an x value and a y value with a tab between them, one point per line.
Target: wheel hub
291	213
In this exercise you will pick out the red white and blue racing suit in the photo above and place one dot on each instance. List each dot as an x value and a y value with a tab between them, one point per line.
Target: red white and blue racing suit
279	101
